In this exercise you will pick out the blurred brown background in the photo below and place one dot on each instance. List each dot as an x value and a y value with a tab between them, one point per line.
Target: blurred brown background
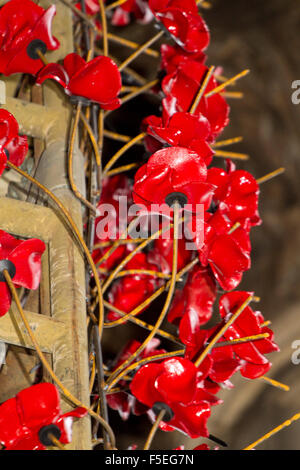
262	35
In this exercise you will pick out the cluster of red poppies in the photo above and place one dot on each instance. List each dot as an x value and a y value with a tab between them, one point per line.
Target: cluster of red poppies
180	143
22	34
138	9
97	81
24	37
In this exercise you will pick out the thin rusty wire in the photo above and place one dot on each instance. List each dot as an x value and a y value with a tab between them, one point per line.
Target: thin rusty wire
92	138
56	442
139	248
143	89
221	332
70	161
122	150
271	175
141	49
231	80
153	430
122	369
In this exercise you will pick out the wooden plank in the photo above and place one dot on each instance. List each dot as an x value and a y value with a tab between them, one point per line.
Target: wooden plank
47	330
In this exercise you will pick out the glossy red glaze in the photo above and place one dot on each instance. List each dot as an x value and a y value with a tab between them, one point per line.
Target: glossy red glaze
3	160
174	56
219	365
26	257
182	21
193	305
22	417
123	402
227	254
254	363
98	80
21	22
173	169
174	382
15	145
180	130
139	9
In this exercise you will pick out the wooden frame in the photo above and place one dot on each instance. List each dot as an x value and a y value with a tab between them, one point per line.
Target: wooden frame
63	333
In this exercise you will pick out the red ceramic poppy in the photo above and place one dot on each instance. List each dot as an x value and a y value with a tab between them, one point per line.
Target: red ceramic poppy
138	8
98	80
26	419
229	257
181	88
22	259
226	360
174	56
254	363
182	21
3	160
227	254
15	146
180	130
174	382
236	195
123	402
24	27
224	364
137	287
219	365
172	170
195	301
